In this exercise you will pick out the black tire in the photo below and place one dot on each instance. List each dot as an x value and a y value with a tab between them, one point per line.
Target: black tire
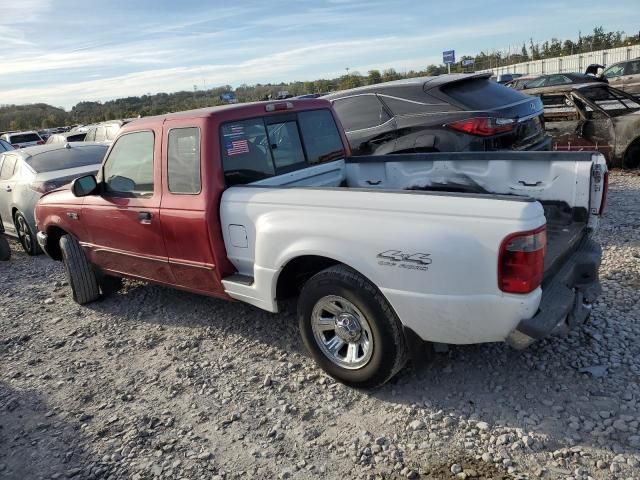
80	274
632	156
25	235
389	349
109	284
5	249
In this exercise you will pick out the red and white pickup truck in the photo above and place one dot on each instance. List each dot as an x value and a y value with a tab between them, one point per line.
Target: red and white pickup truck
262	202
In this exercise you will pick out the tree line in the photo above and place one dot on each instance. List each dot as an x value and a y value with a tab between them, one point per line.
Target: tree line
40	115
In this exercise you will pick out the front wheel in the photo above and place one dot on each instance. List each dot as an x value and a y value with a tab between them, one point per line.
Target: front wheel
80	274
350	329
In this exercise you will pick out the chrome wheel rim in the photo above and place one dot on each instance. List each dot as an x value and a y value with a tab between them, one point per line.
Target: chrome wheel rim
23	233
342	332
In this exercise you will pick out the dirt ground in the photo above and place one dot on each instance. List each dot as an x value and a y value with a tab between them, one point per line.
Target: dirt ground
153	383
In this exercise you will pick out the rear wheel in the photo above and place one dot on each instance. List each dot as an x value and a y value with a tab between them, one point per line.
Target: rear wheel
632	156
25	235
80	274
350	329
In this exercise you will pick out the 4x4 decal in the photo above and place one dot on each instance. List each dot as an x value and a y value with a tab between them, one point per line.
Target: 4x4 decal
411	261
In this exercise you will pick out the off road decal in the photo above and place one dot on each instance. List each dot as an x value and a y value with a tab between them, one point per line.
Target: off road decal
400	259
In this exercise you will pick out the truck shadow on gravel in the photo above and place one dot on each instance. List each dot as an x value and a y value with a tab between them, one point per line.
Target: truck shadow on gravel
170	308
35	442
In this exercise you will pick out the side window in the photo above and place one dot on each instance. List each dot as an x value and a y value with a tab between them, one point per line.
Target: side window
285	144
129	168
538	82
321	138
557	80
8	167
632	68
4	146
246	155
101	134
91	135
183	160
362	111
614	71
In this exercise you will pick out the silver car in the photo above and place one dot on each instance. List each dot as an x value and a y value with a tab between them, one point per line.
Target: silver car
625	76
27	174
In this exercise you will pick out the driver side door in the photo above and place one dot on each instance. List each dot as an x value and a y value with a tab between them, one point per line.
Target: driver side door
123	222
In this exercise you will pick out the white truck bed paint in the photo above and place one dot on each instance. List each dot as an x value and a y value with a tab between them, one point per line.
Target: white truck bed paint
456	299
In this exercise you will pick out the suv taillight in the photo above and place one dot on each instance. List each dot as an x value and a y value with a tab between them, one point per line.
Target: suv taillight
521	261
483	126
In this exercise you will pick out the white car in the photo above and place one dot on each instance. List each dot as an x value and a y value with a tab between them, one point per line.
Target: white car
23	139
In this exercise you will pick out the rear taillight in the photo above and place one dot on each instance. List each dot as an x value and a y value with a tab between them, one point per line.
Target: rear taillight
605	192
483	126
521	261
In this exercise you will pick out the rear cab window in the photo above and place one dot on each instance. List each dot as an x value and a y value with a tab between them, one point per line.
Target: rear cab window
264	147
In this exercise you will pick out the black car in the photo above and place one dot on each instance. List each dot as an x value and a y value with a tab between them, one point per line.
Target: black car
447	113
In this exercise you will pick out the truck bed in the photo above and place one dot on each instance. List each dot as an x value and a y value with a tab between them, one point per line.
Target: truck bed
485	174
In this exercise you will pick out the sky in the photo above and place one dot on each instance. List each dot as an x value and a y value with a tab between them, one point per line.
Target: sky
63	52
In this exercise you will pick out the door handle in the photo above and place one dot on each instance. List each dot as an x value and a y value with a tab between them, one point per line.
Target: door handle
144	217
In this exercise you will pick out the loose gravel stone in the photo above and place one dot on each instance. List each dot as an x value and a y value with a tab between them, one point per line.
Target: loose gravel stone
152	382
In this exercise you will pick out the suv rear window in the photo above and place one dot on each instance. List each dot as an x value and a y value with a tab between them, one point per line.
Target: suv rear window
25	137
264	147
481	94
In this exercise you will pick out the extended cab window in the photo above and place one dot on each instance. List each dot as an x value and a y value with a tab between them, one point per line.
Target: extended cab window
184	160
362	111
129	168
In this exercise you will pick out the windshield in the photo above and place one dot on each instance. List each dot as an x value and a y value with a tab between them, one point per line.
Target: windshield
63	158
25	137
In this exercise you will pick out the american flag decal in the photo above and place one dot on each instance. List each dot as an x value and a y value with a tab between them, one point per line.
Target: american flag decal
237	147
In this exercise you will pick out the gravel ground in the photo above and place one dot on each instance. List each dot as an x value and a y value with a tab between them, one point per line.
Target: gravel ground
155	383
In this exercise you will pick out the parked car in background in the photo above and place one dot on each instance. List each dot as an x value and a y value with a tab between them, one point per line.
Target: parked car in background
44	134
520	82
624	76
600	118
262	203
505	77
28	173
447	113
546	86
66	137
22	139
104	132
5	146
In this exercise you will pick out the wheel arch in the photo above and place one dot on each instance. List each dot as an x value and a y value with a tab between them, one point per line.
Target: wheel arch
54	234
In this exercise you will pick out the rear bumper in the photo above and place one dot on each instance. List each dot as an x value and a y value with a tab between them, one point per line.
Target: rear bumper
566	298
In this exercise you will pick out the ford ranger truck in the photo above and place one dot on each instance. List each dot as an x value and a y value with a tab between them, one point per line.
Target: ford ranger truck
262	203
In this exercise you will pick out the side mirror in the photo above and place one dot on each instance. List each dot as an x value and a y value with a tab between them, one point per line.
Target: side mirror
83	186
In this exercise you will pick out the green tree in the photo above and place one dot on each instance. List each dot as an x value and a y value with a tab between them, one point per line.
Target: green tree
374	77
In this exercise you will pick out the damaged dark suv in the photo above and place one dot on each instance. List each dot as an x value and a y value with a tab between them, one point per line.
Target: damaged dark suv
448	113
